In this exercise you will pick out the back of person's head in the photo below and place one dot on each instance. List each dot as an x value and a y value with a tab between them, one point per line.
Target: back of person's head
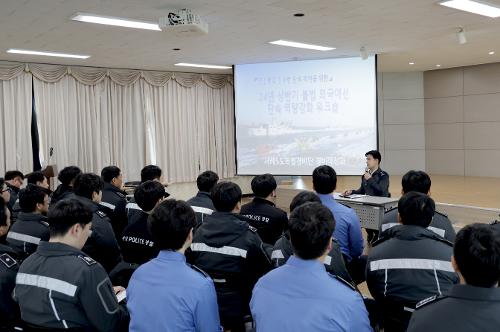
30	196
35	177
417	181
226	196
302	198
477	254
148	194
263	185
311	227
86	184
66	213
416	209
68	174
375	155
150	172
324	179
170	223
108	173
11	175
206	181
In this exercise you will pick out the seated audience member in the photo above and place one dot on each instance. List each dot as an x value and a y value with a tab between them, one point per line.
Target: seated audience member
148	173
473	305
421	182
67	178
232	253
14	180
282	250
136	241
348	227
4	191
37	178
167	294
59	287
101	245
301	295
9	310
409	263
114	198
31	226
202	203
269	220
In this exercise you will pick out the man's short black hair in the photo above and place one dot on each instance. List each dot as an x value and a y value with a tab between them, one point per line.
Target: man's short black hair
477	254
35	177
68	174
170	223
225	196
417	181
263	185
108	173
66	213
416	209
311	227
206	181
11	175
150	172
86	184
147	194
302	198
30	196
324	179
3	212
375	154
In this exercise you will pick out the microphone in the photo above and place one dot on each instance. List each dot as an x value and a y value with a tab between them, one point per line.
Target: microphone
51	151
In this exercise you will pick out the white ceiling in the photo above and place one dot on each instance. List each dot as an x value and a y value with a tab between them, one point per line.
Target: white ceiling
400	31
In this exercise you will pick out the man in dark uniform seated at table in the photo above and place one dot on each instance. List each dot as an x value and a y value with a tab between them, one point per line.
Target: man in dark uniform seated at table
374	182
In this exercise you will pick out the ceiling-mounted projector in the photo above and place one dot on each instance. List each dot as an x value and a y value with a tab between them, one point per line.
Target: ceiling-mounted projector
183	21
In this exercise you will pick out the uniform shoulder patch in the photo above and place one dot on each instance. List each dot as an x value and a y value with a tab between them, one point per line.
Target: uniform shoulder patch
119	194
253	229
44	223
428	300
7	260
89	261
343	281
197	269
101	214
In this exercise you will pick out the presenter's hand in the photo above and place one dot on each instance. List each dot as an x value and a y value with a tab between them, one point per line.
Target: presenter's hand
118	289
367	176
347	192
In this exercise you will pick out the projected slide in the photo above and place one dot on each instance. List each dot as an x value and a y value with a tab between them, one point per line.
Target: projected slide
294	116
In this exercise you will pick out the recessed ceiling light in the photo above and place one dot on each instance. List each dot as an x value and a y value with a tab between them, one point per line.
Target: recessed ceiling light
491	52
299	15
474	7
438	65
411	63
301	45
56	54
182	64
115	21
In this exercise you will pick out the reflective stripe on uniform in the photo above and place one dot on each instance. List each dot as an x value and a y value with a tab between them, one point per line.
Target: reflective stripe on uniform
23	237
48	283
225	250
133	206
277	254
411	264
436	230
202	210
108	205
